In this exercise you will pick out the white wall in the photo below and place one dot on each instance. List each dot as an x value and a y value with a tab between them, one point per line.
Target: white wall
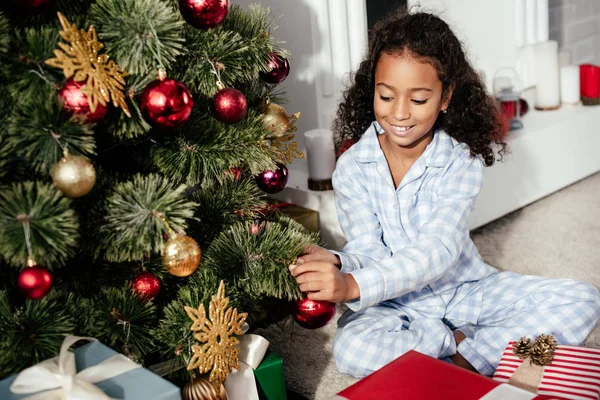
485	27
317	34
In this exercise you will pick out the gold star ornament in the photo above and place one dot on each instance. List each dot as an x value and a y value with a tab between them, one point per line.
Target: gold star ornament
217	351
80	58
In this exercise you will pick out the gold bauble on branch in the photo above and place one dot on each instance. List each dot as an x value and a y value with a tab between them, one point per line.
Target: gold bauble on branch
202	389
277	120
73	175
181	255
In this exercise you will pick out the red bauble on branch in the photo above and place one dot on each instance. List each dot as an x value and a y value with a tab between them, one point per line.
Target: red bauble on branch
312	314
146	285
31	4
76	102
230	105
34	281
273	181
166	103
204	14
279	69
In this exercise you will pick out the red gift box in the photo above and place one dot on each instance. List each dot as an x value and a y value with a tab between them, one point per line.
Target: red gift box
416	376
574	372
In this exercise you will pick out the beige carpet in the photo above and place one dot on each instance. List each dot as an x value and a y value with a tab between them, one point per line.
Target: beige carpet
558	236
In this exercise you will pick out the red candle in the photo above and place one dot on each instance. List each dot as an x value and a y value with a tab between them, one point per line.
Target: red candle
589	81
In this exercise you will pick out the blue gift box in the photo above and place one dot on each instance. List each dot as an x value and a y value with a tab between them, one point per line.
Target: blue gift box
137	384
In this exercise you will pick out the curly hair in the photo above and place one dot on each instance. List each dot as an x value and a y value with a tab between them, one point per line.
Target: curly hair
473	117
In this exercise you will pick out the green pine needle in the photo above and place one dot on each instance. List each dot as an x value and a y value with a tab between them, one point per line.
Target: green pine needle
33	332
4	35
212	148
132	228
30	73
261	259
138	34
223	205
36	128
122	321
53	224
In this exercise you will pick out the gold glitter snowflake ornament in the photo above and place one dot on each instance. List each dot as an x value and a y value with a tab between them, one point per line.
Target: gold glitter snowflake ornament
217	351
104	79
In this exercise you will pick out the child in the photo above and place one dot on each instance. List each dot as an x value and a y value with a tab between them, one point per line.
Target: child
410	274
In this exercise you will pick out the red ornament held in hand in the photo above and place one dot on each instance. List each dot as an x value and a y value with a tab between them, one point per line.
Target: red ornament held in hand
34	280
279	69
273	181
203	14
76	102
166	103
230	105
313	314
146	285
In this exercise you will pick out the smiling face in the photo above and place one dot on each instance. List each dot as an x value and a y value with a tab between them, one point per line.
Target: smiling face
407	99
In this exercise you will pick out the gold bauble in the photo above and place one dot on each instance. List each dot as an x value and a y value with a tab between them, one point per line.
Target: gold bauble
202	389
181	256
74	176
276	119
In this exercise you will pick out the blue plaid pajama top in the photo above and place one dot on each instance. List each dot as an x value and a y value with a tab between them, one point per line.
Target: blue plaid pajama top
413	241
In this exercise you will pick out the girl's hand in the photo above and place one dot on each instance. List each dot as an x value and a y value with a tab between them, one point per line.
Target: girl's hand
324	281
315	253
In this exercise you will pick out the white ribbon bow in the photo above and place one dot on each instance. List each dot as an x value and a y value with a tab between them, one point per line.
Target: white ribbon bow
59	380
240	384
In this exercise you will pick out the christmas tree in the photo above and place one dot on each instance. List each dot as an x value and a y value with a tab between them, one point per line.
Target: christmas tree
135	139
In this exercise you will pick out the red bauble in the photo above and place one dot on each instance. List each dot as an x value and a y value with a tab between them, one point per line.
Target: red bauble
166	103
204	14
146	285
35	282
230	105
76	102
279	69
30	3
273	181
312	314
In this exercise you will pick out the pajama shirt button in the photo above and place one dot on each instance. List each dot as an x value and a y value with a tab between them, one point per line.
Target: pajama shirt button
425	290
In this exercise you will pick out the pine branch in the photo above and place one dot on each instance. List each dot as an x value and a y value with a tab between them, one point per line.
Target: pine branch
132	228
122	321
4	35
223	205
241	57
261	260
211	148
34	331
30	73
139	34
119	125
53	224
36	126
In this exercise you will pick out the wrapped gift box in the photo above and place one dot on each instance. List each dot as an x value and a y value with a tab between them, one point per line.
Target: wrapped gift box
574	372
137	384
417	376
269	378
304	216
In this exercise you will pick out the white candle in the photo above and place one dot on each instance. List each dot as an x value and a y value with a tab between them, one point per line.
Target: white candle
542	20
569	84
547	76
530	21
320	154
519	23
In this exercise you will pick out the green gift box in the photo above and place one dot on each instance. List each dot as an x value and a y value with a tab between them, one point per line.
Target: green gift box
269	378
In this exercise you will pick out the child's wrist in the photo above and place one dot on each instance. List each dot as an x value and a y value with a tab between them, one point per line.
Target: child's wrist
352	289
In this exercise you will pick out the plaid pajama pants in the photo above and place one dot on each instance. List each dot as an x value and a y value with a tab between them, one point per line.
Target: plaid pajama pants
490	312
